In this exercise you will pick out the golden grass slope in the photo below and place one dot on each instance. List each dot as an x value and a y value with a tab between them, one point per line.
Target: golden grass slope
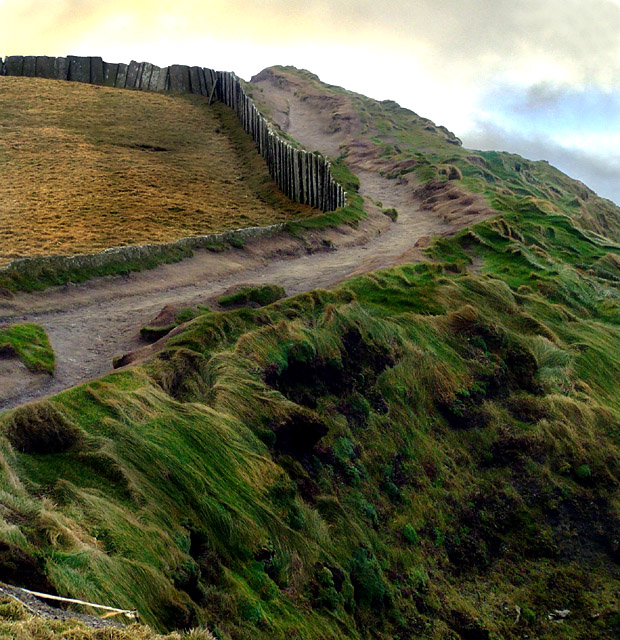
85	168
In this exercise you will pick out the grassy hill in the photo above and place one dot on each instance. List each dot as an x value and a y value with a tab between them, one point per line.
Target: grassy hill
429	451
86	168
406	147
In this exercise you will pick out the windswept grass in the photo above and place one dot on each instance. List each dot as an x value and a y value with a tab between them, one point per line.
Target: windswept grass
427	451
420	448
411	144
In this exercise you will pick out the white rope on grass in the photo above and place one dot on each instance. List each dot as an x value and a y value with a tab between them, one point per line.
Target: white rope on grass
130	613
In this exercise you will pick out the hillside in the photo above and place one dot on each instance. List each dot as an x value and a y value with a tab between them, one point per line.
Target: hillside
430	450
86	168
420	157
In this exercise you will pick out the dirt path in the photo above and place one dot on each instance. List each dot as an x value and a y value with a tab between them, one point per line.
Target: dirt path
90	323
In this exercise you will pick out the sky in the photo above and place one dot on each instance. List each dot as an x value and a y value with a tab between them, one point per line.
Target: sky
536	77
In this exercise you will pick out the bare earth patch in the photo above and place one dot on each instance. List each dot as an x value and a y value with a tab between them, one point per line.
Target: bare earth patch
327	119
16	380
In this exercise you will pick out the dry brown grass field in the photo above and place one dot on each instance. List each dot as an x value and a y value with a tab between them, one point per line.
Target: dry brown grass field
84	168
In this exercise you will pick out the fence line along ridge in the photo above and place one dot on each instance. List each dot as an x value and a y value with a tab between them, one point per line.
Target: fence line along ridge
302	176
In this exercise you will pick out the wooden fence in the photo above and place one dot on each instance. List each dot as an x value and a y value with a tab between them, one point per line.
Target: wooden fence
303	176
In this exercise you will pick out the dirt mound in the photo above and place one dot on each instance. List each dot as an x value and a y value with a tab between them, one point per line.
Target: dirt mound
165	317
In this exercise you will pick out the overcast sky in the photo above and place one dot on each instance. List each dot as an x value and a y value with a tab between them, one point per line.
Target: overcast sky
536	77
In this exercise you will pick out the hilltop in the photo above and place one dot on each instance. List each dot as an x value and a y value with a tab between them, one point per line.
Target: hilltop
428	448
428	159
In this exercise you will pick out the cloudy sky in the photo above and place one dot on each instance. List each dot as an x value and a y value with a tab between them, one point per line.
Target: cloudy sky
536	77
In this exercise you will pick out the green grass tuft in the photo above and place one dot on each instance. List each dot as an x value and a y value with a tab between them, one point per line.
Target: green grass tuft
30	344
260	296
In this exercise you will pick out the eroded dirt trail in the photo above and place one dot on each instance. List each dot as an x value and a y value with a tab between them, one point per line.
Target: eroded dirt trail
91	323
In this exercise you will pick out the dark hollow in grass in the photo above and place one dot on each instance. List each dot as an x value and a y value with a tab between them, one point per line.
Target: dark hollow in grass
39	427
299	433
8	351
23	569
153	334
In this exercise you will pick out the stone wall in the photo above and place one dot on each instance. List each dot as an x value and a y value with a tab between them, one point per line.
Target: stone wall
121	259
303	177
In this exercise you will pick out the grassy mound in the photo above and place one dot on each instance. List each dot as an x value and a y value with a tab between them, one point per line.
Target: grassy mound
39	427
449	178
30	344
169	318
256	296
92	167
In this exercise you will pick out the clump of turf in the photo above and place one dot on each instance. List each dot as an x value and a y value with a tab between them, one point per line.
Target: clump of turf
462	318
30	344
169	318
391	213
164	323
39	427
253	296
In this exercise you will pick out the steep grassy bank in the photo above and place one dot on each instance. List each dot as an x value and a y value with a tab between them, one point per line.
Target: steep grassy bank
429	451
411	146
